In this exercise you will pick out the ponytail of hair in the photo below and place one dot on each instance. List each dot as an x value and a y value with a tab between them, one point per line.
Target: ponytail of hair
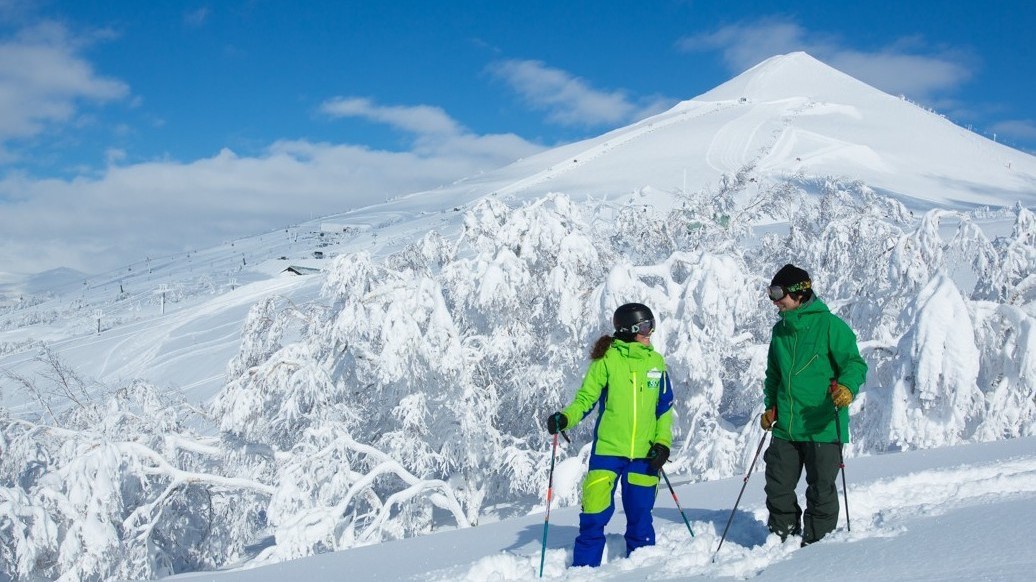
601	347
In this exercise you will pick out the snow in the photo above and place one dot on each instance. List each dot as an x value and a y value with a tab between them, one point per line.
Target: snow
953	513
383	414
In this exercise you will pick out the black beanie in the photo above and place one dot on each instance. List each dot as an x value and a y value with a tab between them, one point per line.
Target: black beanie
789	275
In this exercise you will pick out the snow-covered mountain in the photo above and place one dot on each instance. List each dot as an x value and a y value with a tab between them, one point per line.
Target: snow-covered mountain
383	373
790	117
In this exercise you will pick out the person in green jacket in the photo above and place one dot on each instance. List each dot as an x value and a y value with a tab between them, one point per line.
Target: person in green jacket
813	372
628	384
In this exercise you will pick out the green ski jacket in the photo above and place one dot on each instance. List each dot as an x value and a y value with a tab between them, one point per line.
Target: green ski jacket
631	386
808	347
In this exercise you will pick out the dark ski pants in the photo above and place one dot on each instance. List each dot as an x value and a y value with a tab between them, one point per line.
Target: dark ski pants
784	463
639	485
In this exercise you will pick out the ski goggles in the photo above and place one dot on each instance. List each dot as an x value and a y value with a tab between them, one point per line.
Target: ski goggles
643	327
777	292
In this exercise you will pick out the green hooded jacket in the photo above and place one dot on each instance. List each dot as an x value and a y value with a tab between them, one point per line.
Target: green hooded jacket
632	385
809	346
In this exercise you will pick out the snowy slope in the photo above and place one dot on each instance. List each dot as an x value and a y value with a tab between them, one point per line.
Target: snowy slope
792	117
957	513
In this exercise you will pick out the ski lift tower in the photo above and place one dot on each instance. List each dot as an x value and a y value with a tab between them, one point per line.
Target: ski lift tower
161	291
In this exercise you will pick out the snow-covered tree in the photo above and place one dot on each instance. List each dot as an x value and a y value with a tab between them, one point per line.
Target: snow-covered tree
933	398
1013	277
133	495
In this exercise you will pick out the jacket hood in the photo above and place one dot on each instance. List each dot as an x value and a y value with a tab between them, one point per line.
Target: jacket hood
632	349
802	317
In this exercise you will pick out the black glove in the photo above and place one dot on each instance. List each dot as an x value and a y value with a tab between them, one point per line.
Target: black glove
556	423
657	456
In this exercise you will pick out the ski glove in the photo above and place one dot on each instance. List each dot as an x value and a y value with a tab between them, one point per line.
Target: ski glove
657	456
841	396
767	418
556	423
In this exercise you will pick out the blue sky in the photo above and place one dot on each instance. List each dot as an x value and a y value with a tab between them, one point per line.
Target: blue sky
161	113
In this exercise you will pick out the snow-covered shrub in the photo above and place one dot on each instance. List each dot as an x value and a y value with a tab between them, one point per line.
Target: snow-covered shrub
1012	276
133	495
1007	337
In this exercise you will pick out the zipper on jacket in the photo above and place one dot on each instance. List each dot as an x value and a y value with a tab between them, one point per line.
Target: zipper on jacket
791	398
633	437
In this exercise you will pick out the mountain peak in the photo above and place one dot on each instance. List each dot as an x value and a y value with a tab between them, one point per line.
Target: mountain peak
788	117
780	77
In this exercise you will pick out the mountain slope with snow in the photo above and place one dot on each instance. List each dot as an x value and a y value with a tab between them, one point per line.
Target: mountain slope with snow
791	117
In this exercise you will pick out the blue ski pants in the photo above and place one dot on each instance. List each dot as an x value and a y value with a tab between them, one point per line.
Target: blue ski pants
639	485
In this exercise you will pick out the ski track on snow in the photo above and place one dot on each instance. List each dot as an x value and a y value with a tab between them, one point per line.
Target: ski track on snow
130	349
882	508
728	149
599	150
166	327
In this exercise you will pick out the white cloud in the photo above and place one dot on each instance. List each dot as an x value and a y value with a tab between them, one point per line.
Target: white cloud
43	80
159	208
917	76
419	119
196	18
569	100
114	155
99	221
747	44
1017	128
904	67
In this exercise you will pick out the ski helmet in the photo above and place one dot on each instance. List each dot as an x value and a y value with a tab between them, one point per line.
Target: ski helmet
628	317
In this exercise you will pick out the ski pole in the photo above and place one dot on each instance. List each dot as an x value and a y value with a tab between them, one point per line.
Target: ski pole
841	459
550	493
666	477
743	485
